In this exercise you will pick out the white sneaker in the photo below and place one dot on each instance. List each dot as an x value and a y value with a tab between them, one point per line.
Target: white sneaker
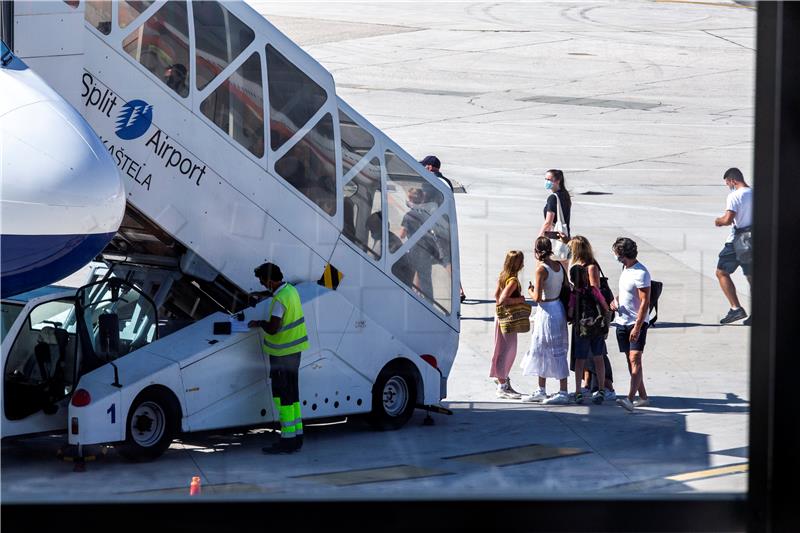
610	395
510	389
641	403
559	398
507	394
598	397
626	403
537	397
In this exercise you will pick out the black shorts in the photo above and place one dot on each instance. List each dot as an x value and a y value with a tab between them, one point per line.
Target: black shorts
624	338
727	261
585	347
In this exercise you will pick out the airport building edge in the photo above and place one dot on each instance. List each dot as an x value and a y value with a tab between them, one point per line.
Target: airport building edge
234	149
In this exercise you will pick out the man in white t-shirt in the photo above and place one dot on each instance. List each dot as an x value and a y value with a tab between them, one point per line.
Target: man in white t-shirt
739	213
632	305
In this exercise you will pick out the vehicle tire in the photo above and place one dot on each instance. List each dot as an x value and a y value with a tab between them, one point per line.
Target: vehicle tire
152	424
394	396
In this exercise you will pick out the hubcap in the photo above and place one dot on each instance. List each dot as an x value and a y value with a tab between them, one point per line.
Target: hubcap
395	396
148	424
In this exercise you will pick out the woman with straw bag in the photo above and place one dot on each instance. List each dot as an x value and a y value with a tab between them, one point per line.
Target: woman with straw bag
513	316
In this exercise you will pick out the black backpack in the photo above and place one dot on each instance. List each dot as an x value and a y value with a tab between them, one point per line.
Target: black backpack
655	292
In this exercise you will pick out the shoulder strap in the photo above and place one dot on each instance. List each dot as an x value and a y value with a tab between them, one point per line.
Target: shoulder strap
560	215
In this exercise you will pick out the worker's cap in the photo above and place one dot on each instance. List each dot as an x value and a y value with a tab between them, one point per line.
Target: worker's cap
269	271
431	160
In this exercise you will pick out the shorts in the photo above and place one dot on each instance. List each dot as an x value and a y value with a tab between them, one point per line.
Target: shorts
624	338
585	347
727	261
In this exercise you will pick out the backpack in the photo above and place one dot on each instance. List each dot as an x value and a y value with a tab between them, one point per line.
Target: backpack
655	292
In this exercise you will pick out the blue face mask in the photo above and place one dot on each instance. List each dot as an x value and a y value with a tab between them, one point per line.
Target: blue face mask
548	184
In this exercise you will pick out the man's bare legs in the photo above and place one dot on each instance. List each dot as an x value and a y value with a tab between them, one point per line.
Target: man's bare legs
637	375
728	288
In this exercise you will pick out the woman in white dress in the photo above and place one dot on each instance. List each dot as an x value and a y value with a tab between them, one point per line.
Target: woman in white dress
547	356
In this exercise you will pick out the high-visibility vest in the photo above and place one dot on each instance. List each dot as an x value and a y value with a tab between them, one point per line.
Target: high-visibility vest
292	337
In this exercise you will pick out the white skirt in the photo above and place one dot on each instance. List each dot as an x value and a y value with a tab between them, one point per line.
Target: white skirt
547	356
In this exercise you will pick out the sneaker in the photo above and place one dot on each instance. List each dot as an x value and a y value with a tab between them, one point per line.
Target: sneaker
505	394
641	403
626	403
578	398
559	398
733	315
748	321
610	395
598	397
537	397
511	390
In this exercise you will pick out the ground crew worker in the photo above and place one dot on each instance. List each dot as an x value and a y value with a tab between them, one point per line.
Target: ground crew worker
283	338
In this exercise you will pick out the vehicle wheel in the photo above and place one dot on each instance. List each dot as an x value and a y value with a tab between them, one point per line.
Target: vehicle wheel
151	426
394	397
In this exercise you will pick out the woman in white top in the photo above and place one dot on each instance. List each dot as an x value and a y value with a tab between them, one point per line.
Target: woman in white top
547	356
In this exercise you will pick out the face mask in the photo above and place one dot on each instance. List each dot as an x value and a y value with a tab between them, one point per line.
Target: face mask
548	184
619	258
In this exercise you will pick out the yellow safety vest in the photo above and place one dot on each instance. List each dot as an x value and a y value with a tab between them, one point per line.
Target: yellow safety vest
292	337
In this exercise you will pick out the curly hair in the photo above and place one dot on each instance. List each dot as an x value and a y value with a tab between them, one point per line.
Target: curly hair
625	247
542	248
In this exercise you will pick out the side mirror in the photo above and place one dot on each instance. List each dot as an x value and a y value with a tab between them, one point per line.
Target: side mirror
108	336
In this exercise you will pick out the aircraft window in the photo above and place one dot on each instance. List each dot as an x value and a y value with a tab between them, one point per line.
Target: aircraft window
310	165
411	198
426	267
293	98
356	142
236	106
130	9
72	3
219	38
8	314
363	223
98	14
161	44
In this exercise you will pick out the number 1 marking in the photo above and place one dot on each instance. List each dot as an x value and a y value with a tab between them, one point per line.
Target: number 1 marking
113	412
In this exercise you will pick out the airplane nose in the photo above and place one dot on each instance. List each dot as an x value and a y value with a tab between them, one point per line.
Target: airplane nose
62	196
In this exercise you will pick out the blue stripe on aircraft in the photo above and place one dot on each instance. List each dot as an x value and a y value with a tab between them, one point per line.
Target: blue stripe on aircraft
31	261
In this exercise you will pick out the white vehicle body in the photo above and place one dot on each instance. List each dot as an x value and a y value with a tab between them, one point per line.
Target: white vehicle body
286	173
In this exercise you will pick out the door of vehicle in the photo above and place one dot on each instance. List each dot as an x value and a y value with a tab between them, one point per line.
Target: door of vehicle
38	349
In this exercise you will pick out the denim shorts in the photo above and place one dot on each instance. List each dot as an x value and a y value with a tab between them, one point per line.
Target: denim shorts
624	338
727	261
585	347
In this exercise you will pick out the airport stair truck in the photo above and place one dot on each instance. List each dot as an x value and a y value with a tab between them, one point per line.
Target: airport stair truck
235	150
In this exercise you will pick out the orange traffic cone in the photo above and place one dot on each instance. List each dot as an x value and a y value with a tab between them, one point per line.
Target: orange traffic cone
194	487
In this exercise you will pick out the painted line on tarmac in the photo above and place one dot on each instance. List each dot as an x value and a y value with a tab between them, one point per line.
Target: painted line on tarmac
517	455
373	475
597	204
738	468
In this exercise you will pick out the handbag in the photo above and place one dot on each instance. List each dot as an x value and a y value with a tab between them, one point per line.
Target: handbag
743	245
514	318
566	291
561	251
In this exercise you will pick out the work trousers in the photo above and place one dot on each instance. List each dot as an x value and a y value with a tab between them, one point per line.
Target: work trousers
283	372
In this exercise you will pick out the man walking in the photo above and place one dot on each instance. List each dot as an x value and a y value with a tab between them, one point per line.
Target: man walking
632	306
283	338
433	164
739	212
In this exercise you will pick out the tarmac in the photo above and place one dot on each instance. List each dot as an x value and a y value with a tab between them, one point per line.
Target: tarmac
644	105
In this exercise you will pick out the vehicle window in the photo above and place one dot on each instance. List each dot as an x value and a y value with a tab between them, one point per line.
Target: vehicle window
219	38
426	266
98	14
161	45
293	98
362	209
39	367
356	142
130	9
411	198
236	106
8	314
310	165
